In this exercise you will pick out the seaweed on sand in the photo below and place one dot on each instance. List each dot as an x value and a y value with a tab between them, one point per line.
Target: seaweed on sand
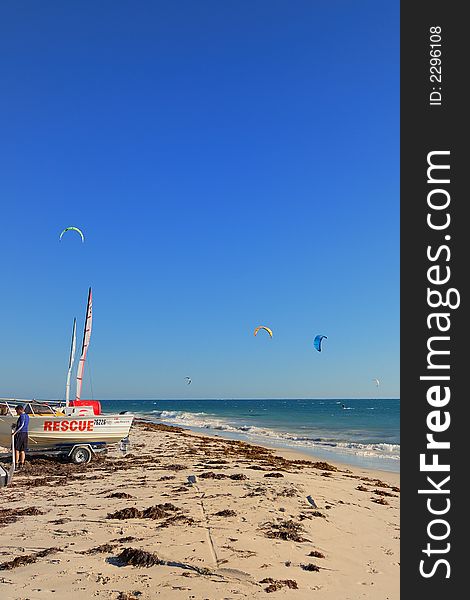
50	466
10	515
147	426
287	530
126	513
376	482
129	595
212	475
27	559
159	511
139	558
175	467
383	493
104	548
154	512
177	520
380	501
257	491
226	513
142	558
119	495
323	466
277	584
36	482
273	475
288	492
316	554
238	476
310	514
310	567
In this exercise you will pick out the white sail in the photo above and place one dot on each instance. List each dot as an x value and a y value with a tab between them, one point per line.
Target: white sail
71	360
86	341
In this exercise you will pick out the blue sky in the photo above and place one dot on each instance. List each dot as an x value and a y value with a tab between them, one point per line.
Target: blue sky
231	164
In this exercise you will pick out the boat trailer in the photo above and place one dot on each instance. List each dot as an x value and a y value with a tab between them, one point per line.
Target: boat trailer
78	454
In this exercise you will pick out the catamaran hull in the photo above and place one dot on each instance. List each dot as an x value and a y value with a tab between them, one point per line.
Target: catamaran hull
50	431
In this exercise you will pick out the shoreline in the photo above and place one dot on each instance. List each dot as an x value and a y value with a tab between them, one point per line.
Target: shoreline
191	516
364	435
294	454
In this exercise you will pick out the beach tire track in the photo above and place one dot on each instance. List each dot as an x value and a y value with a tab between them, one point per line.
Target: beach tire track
207	527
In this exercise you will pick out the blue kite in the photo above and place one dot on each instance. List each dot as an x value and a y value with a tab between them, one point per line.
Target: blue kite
317	342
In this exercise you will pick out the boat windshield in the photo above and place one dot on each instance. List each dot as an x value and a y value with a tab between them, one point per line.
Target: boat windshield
38	408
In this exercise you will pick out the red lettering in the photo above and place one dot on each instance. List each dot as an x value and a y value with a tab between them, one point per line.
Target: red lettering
81	425
89	425
73	425
64	425
56	426
47	425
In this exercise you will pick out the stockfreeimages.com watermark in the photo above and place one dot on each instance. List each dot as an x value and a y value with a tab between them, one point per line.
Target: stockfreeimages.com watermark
441	299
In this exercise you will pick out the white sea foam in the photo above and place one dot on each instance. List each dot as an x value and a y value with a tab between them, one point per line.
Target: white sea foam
201	420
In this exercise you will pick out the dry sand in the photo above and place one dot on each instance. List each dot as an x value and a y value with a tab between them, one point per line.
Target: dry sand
133	527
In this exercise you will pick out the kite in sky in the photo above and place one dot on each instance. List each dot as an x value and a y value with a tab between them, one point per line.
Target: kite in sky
317	342
265	328
73	229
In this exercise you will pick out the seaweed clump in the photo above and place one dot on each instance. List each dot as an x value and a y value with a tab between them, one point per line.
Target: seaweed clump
148	426
212	475
383	493
139	558
287	530
27	559
104	548
129	595
277	584
119	495
126	513
316	554
380	501
10	515
159	511
310	567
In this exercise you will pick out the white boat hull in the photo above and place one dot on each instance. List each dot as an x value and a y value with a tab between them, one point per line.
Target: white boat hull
49	430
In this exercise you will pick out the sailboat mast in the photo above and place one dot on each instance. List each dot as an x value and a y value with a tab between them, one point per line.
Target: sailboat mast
71	360
85	343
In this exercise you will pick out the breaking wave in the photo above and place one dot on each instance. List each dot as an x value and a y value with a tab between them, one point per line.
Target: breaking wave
207	422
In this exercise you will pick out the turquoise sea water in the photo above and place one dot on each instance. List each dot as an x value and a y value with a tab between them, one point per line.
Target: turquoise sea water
359	432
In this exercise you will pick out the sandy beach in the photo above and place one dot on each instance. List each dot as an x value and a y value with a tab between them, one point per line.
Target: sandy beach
133	527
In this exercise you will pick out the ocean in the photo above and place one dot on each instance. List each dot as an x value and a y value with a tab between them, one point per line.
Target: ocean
357	432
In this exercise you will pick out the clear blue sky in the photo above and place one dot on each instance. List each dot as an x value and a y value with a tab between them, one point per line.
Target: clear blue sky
231	164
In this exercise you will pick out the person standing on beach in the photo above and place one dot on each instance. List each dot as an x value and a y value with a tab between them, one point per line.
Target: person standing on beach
21	436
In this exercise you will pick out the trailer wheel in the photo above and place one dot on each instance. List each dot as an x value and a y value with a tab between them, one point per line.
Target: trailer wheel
81	455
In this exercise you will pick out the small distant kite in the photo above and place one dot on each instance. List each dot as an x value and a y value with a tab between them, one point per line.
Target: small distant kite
317	342
73	229
188	380
377	382
265	328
